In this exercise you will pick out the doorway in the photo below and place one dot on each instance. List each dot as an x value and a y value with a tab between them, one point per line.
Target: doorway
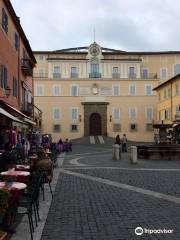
95	124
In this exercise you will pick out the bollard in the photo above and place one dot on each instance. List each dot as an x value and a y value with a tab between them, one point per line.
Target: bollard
115	152
133	154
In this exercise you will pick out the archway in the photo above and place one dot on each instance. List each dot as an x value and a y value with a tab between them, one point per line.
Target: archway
95	124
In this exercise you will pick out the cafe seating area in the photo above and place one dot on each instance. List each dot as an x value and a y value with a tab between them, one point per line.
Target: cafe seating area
22	187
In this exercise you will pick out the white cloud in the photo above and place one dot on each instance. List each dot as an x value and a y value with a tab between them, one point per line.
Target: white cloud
140	25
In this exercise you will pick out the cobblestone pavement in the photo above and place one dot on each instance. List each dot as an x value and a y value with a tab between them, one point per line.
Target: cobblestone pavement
86	209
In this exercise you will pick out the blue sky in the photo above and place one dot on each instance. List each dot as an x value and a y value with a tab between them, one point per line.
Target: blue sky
131	25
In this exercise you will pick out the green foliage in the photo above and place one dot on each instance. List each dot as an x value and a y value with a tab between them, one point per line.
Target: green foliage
4	198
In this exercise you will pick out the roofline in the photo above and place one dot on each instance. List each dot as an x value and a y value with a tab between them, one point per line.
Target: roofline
114	51
166	82
16	21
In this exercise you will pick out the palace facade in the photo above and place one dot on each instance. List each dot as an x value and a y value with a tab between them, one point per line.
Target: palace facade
100	91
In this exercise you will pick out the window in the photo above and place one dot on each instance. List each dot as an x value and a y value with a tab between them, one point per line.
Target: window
73	72
56	113
74	90
163	73
15	87
94	68
56	128
149	113
132	114
115	72
74	128
4	20
56	90
41	73
41	57
74	113
117	127
133	127
177	89
16	41
148	90
3	76
56	72
167	114
116	113
178	110
132	90
169	92
165	94
145	73
40	90
132	73
116	90
176	69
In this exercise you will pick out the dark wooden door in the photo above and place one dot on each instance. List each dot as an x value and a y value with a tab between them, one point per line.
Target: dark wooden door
95	124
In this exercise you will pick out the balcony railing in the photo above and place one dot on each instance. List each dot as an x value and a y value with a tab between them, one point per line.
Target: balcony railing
95	75
27	108
56	75
116	75
26	67
74	75
132	75
149	76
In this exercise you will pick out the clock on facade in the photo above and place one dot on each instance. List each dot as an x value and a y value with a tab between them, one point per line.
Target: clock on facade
94	50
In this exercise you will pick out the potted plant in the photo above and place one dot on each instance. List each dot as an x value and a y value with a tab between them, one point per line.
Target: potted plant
4	198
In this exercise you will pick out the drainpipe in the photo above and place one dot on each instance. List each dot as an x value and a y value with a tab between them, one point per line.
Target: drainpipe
171	103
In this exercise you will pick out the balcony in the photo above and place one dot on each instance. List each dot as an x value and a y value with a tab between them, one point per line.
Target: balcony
132	75
116	75
56	75
27	108
95	75
149	76
26	67
74	75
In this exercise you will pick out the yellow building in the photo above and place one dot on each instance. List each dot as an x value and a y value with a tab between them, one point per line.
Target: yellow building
168	107
99	91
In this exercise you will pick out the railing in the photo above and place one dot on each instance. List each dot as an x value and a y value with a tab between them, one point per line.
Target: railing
27	108
94	75
149	76
56	75
132	75
26	67
116	75
74	75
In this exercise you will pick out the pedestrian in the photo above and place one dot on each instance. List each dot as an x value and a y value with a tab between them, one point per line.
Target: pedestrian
118	140
124	143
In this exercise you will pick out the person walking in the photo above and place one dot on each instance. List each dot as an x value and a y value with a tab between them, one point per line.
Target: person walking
124	143
118	140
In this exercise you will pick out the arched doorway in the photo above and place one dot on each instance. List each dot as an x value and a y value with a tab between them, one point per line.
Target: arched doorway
95	124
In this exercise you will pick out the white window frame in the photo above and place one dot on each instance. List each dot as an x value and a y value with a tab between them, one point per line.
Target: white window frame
161	69
74	85
147	73
53	111
119	113
146	93
54	92
131	119
113	92
36	90
71	113
146	113
130	85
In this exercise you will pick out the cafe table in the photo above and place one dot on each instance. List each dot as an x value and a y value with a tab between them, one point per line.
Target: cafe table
19	176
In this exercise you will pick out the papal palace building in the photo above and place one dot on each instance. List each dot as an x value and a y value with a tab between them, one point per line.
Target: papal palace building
100	91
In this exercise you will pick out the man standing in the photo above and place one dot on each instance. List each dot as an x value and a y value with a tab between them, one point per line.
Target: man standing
124	143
